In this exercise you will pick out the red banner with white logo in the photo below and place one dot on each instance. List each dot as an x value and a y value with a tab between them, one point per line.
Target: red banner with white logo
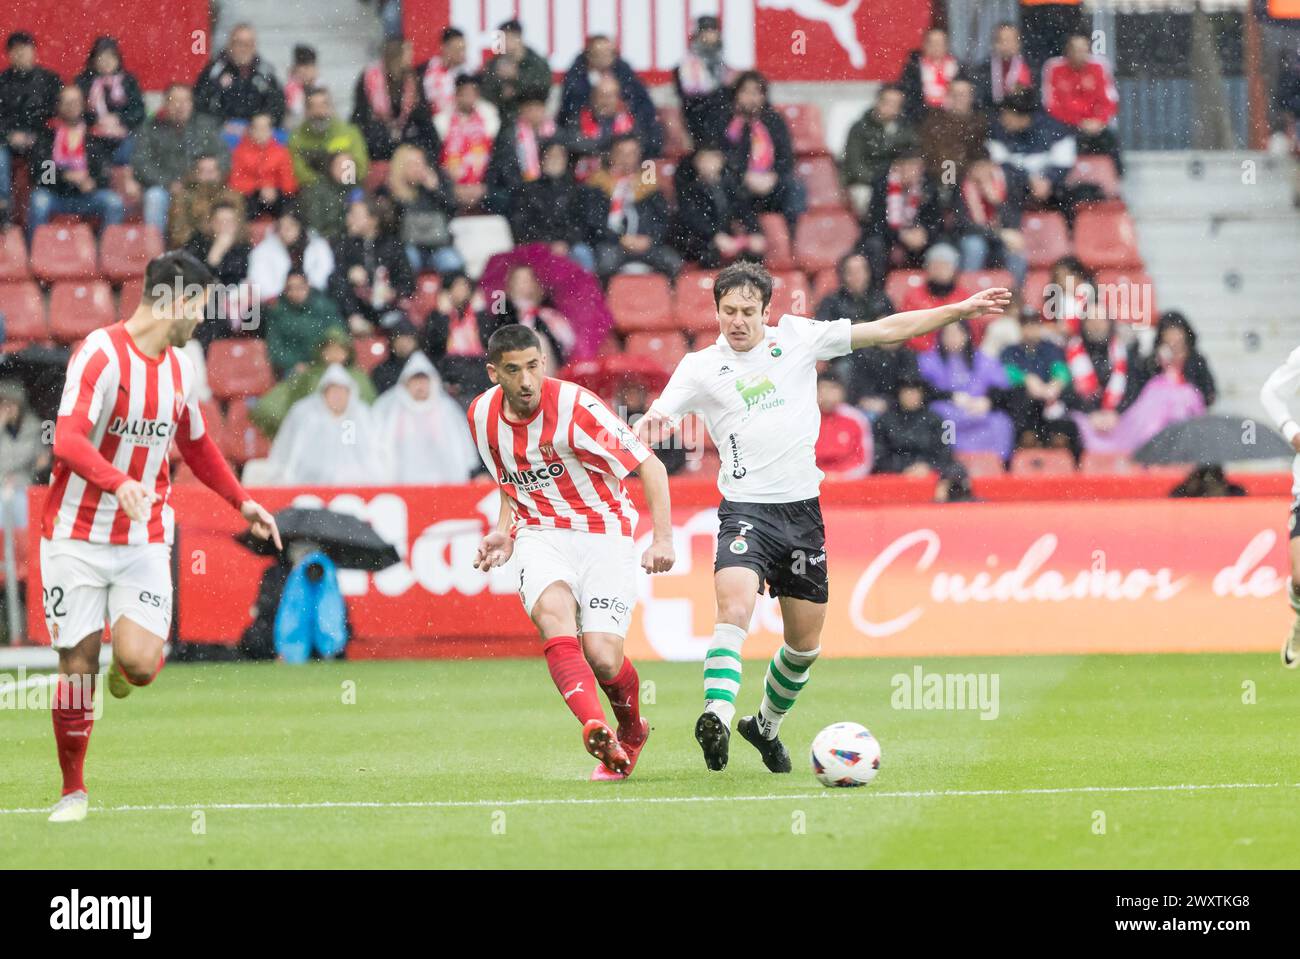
785	39
1129	575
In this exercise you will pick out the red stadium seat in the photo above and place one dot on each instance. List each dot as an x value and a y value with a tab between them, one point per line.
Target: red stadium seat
805	123
777	233
78	309
823	236
129	298
1047	238
125	250
790	294
972	281
1098	169
64	251
677	141
982	463
13	256
422	302
825	283
1128	296
24	311
693	308
640	302
239	368
1034	291
1109	463
821	180
244	441
214	422
1042	462
667	347
371	351
900	282
1104	239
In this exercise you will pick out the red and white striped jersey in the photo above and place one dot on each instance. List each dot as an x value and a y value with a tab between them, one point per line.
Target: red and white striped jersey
135	405
564	467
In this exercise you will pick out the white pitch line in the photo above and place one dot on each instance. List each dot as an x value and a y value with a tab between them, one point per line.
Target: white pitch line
650	800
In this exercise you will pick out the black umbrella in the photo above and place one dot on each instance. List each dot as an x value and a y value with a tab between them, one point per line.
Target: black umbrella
41	370
351	543
1214	439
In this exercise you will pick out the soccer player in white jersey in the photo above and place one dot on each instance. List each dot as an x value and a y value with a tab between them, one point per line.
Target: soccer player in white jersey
756	388
107	529
1279	390
560	456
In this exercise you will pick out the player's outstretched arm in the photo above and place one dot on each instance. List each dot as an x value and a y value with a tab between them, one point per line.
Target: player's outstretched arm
659	557
211	469
653	427
1282	386
900	327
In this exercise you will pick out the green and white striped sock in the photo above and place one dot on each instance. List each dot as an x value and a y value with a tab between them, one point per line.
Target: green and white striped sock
787	674
722	671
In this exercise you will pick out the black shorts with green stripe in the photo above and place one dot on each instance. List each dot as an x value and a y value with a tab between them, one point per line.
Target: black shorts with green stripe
784	543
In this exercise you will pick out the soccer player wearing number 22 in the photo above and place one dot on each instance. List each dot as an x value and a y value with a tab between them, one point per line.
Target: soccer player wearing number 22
106	532
560	456
756	389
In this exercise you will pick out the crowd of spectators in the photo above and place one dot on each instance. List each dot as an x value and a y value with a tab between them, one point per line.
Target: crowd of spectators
328	223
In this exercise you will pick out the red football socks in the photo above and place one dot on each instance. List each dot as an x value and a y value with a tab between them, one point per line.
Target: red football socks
624	694
573	677
73	717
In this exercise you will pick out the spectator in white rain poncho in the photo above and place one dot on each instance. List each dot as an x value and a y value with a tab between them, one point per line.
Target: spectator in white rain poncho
422	432
328	438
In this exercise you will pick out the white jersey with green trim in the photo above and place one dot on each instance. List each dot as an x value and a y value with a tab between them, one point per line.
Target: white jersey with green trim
760	407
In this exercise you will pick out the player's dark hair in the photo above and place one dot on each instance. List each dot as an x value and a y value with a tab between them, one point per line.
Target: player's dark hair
741	275
166	271
451	33
511	338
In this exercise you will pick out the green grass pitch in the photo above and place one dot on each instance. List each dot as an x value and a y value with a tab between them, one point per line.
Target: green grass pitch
478	764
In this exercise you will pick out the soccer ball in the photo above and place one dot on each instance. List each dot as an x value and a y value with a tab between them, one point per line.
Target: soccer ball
845	754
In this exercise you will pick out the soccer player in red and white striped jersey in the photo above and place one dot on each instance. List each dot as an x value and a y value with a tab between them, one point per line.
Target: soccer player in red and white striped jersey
107	529
560	456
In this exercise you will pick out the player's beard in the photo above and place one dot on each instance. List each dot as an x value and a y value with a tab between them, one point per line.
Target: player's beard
524	407
182	329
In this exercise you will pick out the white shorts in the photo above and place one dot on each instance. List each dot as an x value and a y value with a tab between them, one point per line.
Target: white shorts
84	585
599	569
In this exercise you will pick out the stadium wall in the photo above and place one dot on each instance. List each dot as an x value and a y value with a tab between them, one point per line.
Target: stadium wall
65	30
1107	565
785	39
